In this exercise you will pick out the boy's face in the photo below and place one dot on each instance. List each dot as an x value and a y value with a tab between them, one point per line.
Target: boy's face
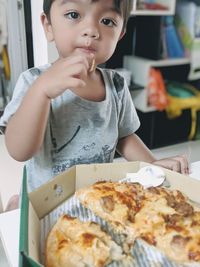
83	26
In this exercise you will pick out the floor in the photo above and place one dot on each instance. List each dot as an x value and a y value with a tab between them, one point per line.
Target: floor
11	170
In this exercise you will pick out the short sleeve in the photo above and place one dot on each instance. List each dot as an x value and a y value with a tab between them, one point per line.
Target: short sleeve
24	82
128	119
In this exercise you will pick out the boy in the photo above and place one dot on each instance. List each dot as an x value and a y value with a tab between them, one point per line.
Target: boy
72	112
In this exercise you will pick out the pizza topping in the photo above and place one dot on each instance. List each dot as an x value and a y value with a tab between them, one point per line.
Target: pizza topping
173	221
126	199
179	195
87	239
100	182
196	219
103	187
149	238
184	208
63	243
131	215
171	201
181	207
68	218
180	241
154	190
194	255
108	203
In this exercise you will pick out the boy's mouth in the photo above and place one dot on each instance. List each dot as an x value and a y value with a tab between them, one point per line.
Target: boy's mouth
87	50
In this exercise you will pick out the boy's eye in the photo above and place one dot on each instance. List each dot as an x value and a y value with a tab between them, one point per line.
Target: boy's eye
108	22
72	15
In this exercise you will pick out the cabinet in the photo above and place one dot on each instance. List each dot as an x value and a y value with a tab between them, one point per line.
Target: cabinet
148	50
158	7
156	129
188	14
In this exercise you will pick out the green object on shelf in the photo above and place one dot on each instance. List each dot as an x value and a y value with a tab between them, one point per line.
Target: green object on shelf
181	97
179	90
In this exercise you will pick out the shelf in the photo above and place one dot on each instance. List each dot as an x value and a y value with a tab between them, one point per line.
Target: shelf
1	104
194	73
170	4
152	13
139	98
139	67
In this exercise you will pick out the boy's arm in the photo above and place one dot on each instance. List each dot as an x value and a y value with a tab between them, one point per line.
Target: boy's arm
133	149
26	128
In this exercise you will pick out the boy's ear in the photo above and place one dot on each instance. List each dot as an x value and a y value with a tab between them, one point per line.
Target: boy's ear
122	35
47	27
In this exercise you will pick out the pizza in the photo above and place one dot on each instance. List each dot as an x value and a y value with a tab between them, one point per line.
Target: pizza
73	243
162	217
116	203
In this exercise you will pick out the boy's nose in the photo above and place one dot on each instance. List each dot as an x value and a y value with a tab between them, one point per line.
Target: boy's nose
91	32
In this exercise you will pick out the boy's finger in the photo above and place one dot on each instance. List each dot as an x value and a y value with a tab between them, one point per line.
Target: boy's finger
184	164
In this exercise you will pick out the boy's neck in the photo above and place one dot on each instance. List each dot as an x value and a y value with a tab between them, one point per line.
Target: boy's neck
94	89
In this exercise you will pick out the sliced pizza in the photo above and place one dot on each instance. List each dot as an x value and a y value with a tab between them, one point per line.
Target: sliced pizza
174	225
162	217
116	203
73	243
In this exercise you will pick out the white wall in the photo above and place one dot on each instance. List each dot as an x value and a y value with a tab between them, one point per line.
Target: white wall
39	41
43	52
52	52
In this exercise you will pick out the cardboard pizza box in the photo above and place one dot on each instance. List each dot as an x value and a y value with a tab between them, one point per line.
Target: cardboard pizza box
37	204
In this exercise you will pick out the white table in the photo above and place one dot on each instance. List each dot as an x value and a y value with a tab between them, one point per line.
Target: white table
10	174
9	238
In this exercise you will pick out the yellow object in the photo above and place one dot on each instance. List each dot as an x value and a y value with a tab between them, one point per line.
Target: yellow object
177	105
6	63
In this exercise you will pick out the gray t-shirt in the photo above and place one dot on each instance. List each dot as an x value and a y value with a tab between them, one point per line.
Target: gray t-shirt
78	131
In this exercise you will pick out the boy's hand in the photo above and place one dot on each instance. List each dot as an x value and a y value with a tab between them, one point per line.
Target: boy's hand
66	73
178	164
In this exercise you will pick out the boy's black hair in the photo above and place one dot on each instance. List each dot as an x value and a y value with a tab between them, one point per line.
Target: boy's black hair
124	6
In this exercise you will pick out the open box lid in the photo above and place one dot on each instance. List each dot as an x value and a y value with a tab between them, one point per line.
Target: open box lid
53	193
